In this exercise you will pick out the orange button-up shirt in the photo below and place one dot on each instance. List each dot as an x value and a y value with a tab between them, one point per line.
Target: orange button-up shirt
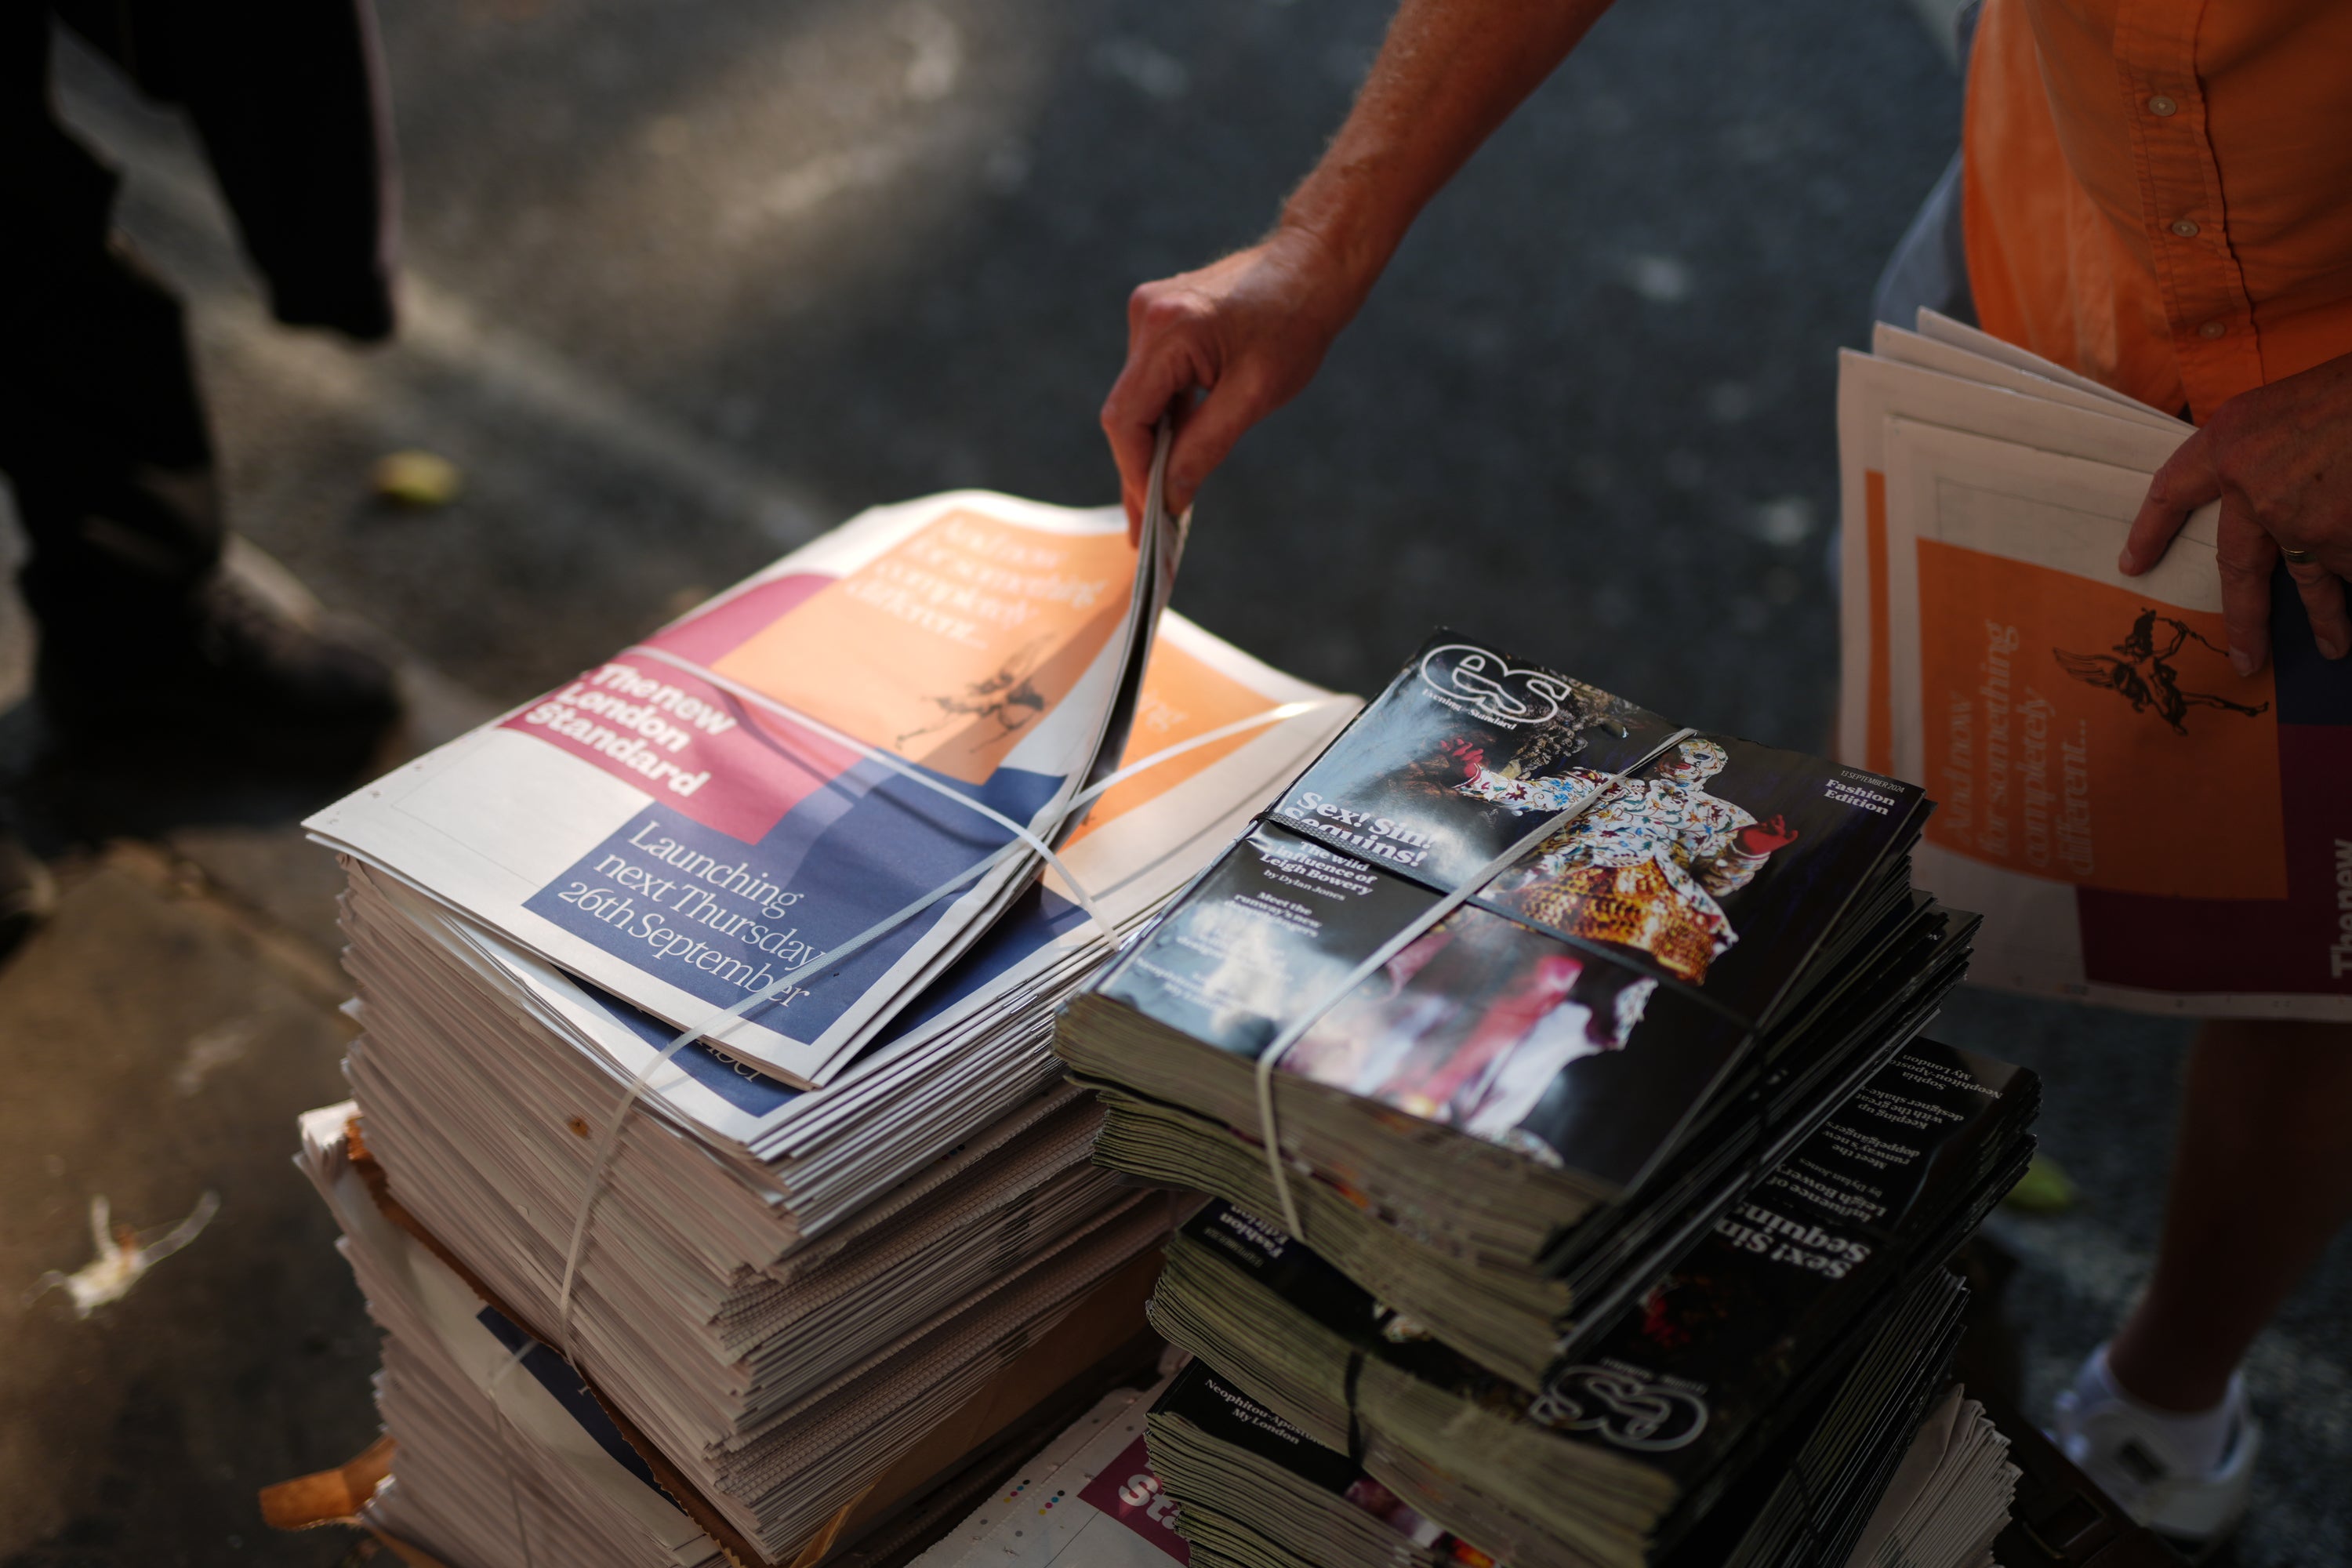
2159	192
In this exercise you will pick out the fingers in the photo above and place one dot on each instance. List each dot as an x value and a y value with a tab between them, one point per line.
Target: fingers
2246	555
2187	481
1205	434
1159	372
1246	333
2323	601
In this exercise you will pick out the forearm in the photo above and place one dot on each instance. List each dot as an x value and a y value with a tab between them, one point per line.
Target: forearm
1449	72
1220	347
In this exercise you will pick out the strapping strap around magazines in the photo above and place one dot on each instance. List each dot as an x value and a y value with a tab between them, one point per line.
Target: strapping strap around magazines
1269	1058
1355	1375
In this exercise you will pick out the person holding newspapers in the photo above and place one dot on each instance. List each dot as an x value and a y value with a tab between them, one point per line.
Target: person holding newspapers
2156	206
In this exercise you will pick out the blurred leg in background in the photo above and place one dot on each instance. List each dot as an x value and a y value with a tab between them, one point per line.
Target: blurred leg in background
148	646
2262	1181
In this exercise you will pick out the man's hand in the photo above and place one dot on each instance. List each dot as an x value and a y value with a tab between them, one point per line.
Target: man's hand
1248	333
2279	460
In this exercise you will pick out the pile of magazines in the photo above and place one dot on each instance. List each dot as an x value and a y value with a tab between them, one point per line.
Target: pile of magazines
708	1169
1584	1179
1103	1494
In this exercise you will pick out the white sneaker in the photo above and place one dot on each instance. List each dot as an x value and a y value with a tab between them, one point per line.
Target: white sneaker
2135	1455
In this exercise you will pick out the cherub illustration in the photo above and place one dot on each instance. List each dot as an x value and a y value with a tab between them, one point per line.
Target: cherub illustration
2143	672
1008	697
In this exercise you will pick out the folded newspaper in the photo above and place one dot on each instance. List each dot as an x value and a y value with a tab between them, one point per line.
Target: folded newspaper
911	707
2139	825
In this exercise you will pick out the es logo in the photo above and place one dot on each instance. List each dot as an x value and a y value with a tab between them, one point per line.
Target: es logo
1484	682
1625	1407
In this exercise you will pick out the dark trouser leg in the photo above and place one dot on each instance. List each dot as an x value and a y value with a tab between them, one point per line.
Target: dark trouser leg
102	437
102	431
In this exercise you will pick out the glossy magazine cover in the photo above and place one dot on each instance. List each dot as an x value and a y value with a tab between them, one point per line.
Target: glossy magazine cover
1582	1004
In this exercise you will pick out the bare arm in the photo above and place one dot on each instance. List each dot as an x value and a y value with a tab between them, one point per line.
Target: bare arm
1250	331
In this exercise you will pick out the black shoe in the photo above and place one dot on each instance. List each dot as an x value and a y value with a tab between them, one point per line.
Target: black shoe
221	675
27	892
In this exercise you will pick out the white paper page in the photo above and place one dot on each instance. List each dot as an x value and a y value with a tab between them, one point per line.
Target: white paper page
1910	348
1977	340
1869	391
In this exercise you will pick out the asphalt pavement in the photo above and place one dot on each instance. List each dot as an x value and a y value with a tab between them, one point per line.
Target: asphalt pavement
686	283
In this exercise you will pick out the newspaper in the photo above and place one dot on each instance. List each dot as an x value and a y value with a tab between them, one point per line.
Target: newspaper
2139	825
912	701
1088	1499
535	1397
1144	839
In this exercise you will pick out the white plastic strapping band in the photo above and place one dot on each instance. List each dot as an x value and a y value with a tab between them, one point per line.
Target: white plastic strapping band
1280	1047
608	1140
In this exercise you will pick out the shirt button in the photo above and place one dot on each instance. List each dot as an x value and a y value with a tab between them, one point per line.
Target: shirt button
2160	104
2211	330
2184	228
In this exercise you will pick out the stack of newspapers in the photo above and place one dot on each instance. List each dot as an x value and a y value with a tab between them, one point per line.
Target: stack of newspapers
708	1167
1585	1178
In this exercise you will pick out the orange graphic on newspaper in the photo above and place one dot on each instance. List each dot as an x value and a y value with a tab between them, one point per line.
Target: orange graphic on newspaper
1182	696
2075	732
951	647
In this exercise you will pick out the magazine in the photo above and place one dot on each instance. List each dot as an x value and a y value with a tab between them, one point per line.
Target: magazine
1089	1499
1580	1006
1250	1485
1621	1451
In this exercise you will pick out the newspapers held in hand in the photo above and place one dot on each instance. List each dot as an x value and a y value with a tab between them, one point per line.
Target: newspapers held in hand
2139	825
